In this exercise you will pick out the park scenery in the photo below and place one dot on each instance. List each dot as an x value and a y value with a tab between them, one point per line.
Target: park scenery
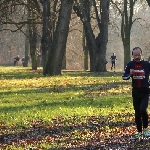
61	66
75	110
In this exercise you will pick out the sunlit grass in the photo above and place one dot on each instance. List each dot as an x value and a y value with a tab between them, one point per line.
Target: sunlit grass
27	96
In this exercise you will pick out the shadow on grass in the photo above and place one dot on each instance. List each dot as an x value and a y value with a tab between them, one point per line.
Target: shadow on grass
87	132
70	87
20	73
29	74
92	74
85	99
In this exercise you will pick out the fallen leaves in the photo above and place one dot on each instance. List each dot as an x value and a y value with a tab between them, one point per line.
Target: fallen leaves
87	132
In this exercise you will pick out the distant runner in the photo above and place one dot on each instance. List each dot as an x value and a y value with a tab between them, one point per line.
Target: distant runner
113	61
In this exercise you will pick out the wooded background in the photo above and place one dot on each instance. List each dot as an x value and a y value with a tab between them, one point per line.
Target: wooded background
14	25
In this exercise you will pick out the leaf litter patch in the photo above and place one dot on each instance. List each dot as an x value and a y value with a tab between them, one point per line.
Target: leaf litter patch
86	132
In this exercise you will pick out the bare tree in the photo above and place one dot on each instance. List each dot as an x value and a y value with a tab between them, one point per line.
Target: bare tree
57	51
126	10
15	12
97	46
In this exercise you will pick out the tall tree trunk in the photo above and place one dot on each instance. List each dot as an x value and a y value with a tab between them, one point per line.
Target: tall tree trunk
85	49
54	64
33	41
102	46
45	41
64	61
27	46
127	53
126	26
32	35
91	44
90	37
96	46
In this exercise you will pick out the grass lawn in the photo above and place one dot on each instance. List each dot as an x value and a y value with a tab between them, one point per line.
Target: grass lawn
73	110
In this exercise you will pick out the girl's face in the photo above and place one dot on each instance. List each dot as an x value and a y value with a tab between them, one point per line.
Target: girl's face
137	55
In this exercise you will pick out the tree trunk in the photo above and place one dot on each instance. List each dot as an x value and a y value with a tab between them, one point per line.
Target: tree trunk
27	47
32	36
127	53
45	41
90	37
33	41
91	44
54	64
126	26
103	39
64	61
85	49
96	46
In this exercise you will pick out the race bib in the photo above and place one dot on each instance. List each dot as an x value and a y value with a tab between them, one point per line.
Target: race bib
138	74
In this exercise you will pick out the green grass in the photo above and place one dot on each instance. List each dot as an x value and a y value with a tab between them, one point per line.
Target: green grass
26	97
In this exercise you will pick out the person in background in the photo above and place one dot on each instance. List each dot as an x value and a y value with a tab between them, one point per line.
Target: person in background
23	61
138	70
113	61
16	60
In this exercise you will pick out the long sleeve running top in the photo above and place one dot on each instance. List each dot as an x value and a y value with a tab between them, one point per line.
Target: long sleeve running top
140	77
